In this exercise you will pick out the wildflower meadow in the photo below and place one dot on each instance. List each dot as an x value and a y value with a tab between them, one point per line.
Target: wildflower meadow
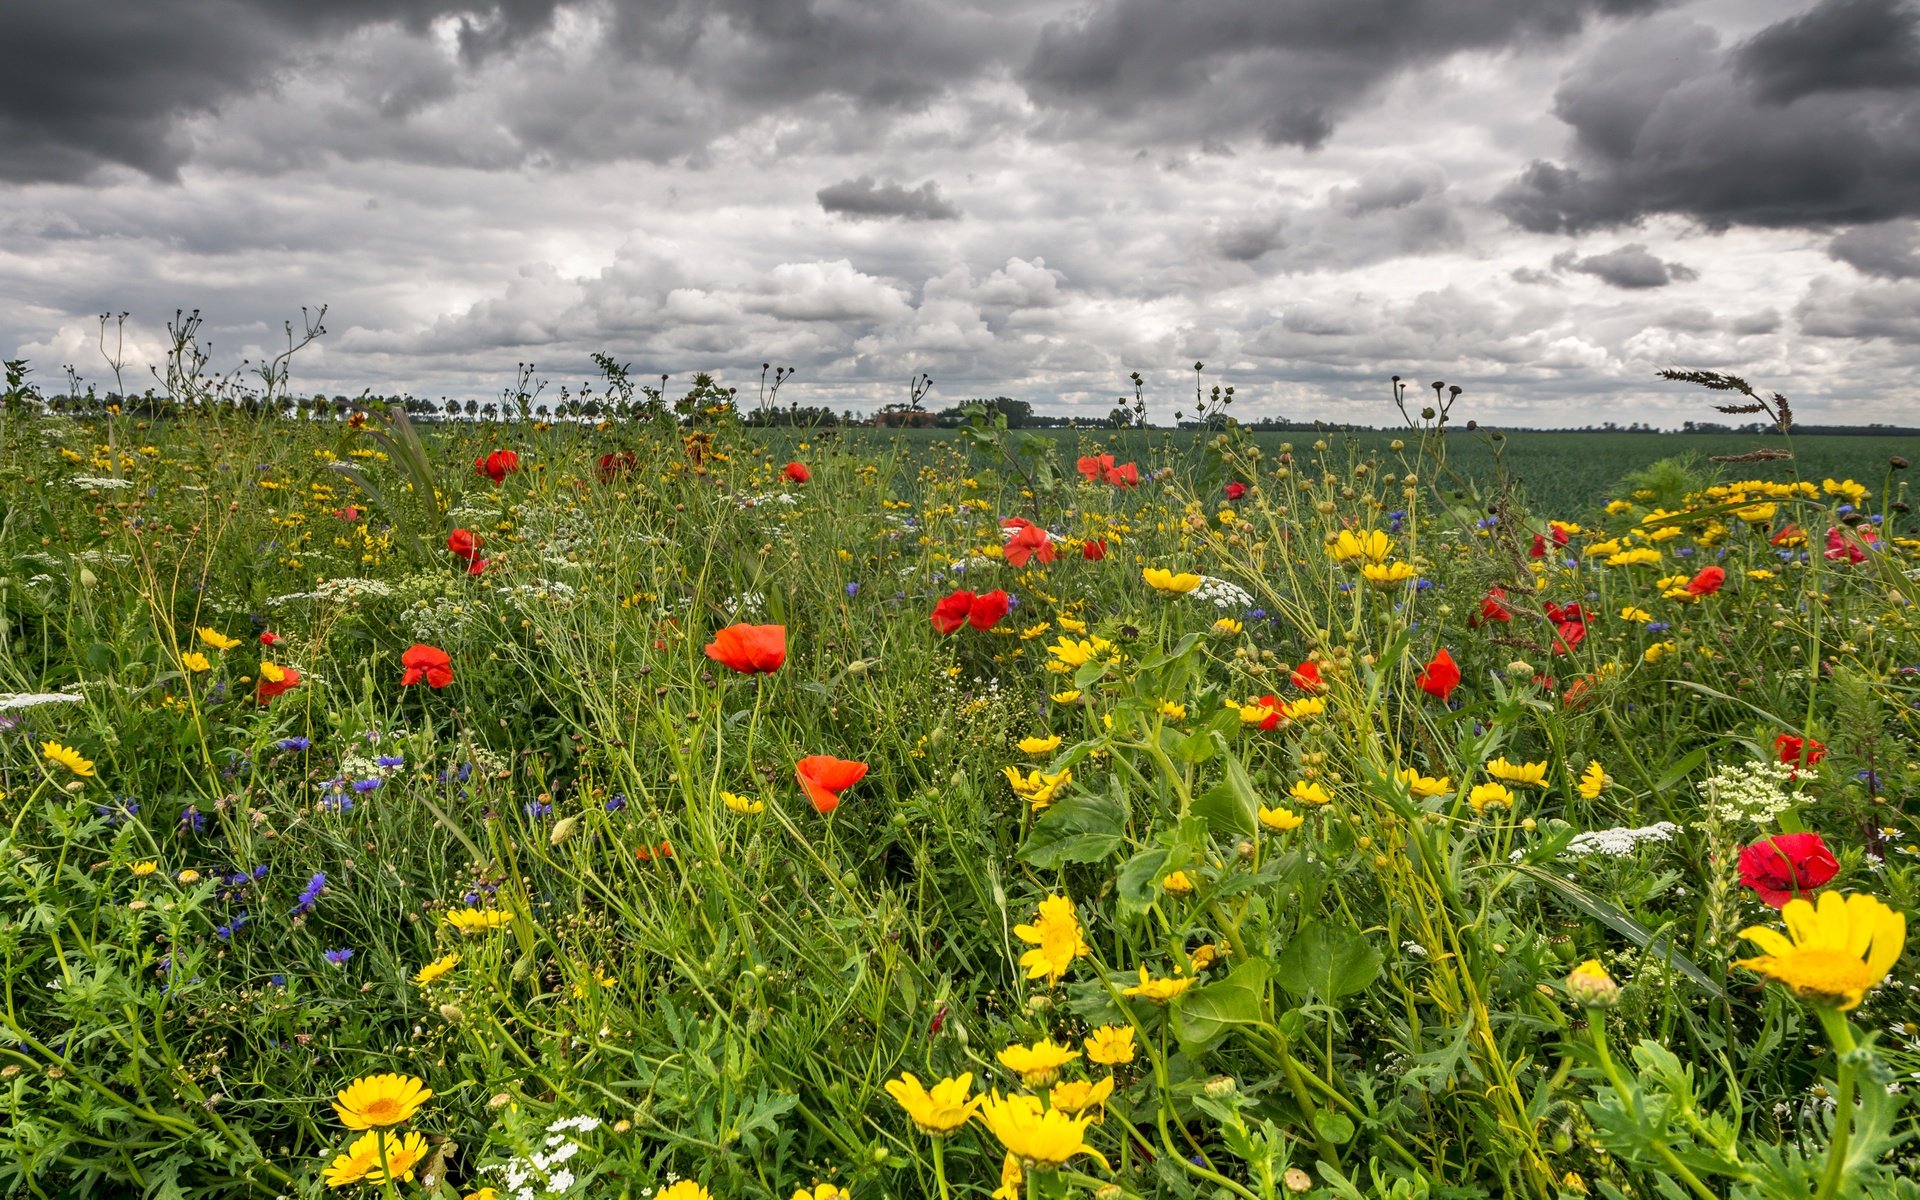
656	806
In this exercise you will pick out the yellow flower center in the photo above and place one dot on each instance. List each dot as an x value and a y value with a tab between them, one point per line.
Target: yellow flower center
384	1111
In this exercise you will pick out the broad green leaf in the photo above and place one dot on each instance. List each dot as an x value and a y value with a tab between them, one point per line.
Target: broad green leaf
1083	828
1203	1014
1328	961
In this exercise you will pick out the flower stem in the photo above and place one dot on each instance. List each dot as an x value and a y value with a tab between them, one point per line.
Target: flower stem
1840	1034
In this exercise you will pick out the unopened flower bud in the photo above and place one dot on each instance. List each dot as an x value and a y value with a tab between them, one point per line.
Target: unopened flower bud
563	829
451	1014
1221	1085
1298	1182
1520	669
1591	986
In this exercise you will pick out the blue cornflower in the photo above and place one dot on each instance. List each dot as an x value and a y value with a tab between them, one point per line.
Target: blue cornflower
338	957
1421	585
1658	626
853	589
311	894
191	821
294	743
616	802
278	981
538	808
226	932
391	760
337	802
1683	552
364	786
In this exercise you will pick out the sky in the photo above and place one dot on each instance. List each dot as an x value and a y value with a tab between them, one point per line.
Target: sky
1544	202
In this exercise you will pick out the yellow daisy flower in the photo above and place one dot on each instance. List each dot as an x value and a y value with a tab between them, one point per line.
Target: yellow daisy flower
68	757
376	1100
940	1111
1834	951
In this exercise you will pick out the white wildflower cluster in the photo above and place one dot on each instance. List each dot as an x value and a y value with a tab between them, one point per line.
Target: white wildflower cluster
100	483
1748	793
961	566
1616	842
545	1171
440	620
338	591
14	701
761	498
539	589
1221	594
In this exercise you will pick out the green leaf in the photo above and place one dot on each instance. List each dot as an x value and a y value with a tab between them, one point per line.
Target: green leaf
1230	806
1204	1014
1335	1127
1329	961
1083	828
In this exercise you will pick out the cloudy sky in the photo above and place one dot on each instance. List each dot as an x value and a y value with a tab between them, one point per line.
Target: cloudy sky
1544	201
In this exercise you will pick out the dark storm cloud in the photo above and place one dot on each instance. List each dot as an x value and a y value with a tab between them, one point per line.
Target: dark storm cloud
1814	121
1285	72
1631	266
862	198
1838	46
1890	251
108	82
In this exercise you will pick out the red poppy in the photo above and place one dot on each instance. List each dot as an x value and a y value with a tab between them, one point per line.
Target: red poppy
1028	542
749	649
1539	549
611	466
1494	606
1707	582
1440	676
796	473
1094	468
426	662
1795	752
497	465
1577	694
1786	534
1236	490
477	565
1306	677
1850	544
823	777
1124	475
982	612
1786	865
269	638
1094	549
349	513
1568	635
465	543
1560	533
267	689
649	853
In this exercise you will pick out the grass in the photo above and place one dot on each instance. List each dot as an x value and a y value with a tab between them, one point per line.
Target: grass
590	907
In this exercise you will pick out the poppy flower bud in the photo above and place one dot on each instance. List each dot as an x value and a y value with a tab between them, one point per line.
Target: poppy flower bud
451	1014
563	829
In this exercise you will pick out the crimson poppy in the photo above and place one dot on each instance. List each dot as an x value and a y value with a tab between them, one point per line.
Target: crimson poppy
1796	752
1028	542
1849	544
1440	676
1275	711
1306	677
270	687
1493	607
497	465
1124	475
426	662
1707	582
749	649
1094	468
982	612
611	466
478	565
269	638
795	472
823	777
1786	534
1786	865
465	543
350	513
649	853
1094	549
1236	490
1539	548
